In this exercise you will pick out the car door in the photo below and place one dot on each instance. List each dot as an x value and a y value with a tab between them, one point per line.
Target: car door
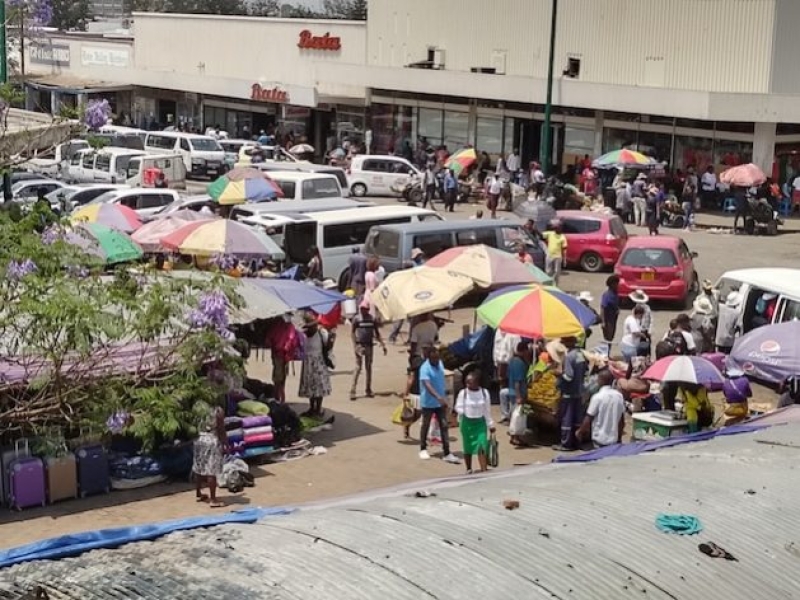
376	176
102	168
397	173
86	170
573	229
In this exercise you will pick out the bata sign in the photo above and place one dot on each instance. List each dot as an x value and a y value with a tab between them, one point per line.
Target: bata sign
313	42
261	94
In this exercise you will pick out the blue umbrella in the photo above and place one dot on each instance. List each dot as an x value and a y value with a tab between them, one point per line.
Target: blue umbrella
300	295
585	315
770	353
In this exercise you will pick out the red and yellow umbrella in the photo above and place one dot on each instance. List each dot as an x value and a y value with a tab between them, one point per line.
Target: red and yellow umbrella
624	158
461	160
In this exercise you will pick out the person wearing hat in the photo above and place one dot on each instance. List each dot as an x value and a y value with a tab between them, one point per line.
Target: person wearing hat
736	390
417	257
637	198
623	202
703	324
728	322
639	298
315	380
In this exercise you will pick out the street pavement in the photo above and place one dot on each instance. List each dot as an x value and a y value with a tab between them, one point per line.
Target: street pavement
364	450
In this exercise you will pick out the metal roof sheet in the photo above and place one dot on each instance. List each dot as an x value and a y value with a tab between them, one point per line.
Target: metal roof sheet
581	532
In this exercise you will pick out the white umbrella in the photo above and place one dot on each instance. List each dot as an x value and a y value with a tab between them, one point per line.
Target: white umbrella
420	290
301	149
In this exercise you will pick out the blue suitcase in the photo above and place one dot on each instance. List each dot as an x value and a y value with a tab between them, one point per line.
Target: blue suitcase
27	483
93	470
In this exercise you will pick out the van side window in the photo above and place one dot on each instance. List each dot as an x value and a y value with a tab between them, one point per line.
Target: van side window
185	145
513	236
76	159
288	188
88	160
790	311
130	201
381	166
432	244
470	237
103	162
386	243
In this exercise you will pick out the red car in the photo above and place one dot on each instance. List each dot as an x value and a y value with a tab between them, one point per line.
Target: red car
594	240
662	266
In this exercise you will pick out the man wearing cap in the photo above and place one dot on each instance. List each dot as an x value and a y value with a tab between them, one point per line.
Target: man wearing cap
365	332
728	322
702	324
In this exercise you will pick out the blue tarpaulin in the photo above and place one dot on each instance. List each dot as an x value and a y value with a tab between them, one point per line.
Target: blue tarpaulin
638	447
78	543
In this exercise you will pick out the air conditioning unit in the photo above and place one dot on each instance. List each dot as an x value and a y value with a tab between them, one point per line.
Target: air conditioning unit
499	61
436	57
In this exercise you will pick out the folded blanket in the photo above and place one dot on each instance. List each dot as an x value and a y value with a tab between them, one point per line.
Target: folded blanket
249	408
232	423
256	421
260	438
236	436
258	450
257	430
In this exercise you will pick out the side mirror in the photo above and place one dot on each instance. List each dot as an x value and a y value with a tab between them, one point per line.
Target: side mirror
695	255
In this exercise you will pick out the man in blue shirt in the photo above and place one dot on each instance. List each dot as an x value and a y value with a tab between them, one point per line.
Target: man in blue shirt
517	376
433	401
571	386
450	190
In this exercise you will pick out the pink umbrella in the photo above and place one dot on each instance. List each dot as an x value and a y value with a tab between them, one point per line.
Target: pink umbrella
149	235
747	175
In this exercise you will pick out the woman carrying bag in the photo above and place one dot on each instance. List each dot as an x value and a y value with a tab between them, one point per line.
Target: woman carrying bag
473	406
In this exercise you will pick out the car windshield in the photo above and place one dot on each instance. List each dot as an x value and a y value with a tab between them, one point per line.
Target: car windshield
205	145
648	258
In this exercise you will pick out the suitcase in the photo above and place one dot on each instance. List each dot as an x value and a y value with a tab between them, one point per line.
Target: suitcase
93	470
62	478
20	450
27	483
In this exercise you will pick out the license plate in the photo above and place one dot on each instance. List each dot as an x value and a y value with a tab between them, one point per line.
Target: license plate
648	276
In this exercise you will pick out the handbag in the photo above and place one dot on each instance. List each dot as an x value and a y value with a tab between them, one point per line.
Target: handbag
493	457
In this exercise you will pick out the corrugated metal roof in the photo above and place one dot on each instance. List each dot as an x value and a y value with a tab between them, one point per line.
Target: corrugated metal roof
581	531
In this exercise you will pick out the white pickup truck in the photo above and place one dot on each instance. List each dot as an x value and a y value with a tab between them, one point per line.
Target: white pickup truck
53	166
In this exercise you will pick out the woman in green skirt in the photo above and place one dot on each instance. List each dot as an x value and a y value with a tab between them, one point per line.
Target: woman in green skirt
473	406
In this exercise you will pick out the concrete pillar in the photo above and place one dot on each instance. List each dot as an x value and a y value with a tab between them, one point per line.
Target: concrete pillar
598	133
55	102
764	146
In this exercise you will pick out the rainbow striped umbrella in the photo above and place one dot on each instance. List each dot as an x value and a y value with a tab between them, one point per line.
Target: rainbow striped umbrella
244	184
534	312
685	369
222	237
623	158
115	216
463	159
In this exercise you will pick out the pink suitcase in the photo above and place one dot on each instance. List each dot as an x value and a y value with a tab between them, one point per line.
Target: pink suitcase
27	483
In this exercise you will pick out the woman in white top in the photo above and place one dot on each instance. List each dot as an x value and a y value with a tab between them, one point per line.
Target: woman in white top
633	333
473	406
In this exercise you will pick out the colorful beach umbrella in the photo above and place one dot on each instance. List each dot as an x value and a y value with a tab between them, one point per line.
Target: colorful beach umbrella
222	237
535	312
417	291
245	184
488	267
149	235
110	245
463	159
748	175
585	315
685	369
116	216
624	158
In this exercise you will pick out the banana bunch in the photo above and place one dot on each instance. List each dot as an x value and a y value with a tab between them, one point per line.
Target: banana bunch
544	390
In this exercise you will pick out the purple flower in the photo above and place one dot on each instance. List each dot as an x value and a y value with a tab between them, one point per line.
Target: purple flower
19	269
51	235
117	422
41	12
211	313
96	114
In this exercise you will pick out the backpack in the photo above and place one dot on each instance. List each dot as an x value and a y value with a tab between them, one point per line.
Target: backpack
677	341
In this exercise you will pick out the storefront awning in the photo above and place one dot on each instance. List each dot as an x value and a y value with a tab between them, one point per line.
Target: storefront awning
74	85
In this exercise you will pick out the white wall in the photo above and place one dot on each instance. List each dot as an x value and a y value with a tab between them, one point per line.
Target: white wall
705	45
92	59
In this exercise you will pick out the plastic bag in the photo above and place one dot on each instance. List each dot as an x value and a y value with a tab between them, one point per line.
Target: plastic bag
397	415
519	422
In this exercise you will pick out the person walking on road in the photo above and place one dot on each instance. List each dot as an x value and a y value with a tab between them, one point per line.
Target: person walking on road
556	251
429	181
433	402
365	333
450	190
609	309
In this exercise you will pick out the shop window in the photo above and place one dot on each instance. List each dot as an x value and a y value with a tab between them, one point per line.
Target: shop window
731	154
509	139
657	145
456	130
429	126
693	152
614	139
489	136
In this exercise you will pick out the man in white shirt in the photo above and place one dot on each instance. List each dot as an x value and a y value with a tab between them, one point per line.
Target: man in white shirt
513	164
537	178
708	188
605	418
505	345
423	334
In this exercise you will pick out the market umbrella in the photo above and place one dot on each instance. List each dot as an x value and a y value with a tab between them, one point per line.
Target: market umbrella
623	158
419	290
463	159
685	369
301	149
111	215
535	312
488	267
244	184
770	353
149	235
585	315
222	237
299	295
748	175
111	245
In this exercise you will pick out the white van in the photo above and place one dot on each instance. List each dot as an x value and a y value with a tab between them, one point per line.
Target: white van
768	295
170	164
107	165
202	155
377	175
338	232
306	186
272	154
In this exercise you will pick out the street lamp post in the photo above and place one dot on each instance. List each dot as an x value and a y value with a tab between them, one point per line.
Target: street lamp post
547	137
3	48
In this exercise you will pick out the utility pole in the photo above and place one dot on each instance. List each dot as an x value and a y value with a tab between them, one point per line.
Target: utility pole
3	45
547	137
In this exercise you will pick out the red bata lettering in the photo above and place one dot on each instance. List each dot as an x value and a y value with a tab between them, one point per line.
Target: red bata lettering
268	95
325	42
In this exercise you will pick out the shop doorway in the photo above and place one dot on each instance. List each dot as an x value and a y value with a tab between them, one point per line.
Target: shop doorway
528	139
167	109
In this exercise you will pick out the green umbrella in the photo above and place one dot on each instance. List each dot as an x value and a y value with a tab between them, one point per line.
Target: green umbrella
110	245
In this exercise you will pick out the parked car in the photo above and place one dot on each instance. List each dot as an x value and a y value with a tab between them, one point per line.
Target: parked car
594	240
377	175
662	266
78	195
145	201
29	189
306	186
307	167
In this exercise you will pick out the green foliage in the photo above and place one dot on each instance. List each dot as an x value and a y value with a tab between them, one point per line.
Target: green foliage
66	324
71	14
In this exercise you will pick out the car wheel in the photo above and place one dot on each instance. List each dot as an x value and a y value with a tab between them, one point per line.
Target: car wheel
359	190
415	196
591	262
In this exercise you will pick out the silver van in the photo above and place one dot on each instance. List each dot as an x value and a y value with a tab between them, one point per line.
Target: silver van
393	243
